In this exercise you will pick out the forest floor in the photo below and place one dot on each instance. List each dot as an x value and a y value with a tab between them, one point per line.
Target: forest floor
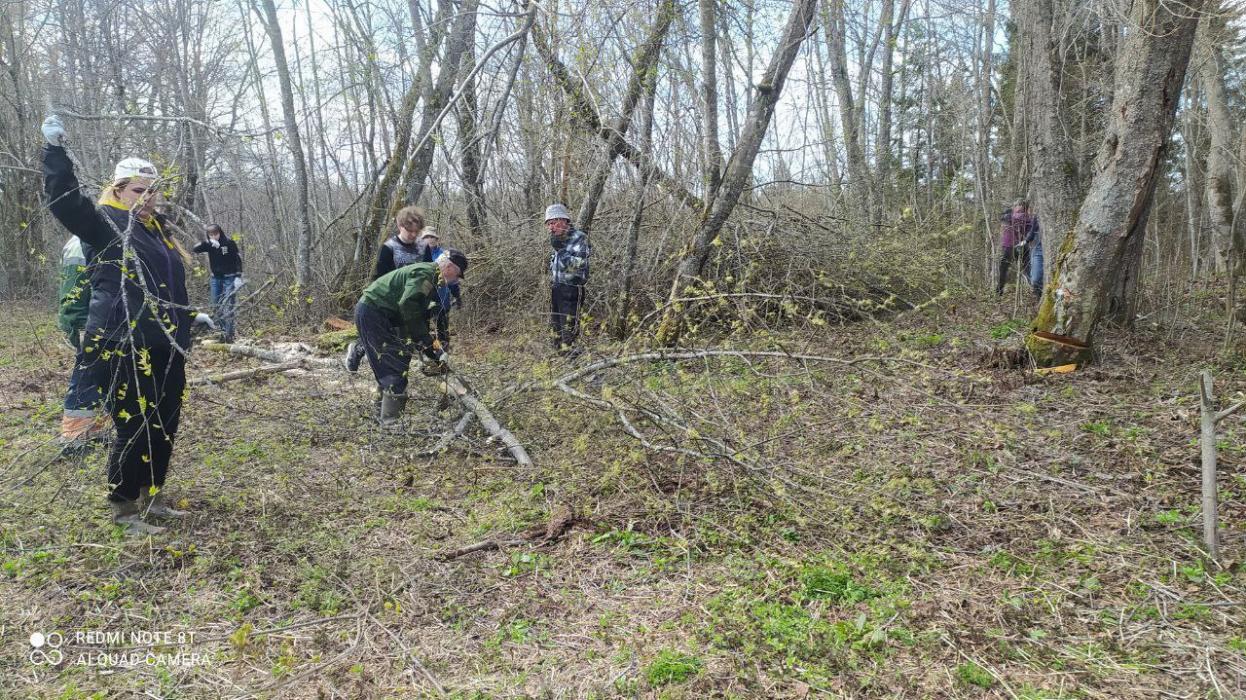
916	522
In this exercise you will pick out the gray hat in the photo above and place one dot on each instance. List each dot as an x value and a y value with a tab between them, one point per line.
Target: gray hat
557	211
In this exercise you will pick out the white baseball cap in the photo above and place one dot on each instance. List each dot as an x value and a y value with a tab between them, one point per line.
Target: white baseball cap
134	167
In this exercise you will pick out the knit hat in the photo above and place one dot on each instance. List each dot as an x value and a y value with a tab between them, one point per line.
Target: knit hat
557	211
134	167
456	257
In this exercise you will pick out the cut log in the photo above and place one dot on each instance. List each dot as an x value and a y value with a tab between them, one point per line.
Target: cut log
333	323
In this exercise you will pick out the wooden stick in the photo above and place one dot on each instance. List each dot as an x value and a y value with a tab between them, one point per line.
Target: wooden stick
473	404
246	373
1208	439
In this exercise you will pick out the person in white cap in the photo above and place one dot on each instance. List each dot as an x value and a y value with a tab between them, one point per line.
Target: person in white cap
568	270
138	327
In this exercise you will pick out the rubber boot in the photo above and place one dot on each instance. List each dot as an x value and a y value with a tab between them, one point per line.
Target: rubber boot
157	506
126	514
392	406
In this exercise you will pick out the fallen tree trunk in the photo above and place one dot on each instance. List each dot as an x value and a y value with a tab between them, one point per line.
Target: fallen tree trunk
245	351
246	373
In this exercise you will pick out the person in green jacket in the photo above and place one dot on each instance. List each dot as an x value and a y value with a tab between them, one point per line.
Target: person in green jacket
80	420
393	318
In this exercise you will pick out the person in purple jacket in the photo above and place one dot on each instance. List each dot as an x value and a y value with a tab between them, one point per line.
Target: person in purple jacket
138	324
1017	228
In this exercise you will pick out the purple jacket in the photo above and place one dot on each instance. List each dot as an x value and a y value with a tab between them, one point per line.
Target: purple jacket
1017	229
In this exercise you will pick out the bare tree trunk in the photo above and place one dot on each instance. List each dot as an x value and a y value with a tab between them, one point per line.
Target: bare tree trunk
1221	179
623	321
1054	176
740	167
585	113
302	263
1150	71
859	181
882	150
463	31
1193	177
709	97
643	73
379	206
469	147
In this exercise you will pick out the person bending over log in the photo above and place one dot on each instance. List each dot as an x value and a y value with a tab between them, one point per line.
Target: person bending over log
399	250
138	325
393	317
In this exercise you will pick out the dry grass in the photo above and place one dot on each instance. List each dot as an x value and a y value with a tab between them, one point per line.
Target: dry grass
919	526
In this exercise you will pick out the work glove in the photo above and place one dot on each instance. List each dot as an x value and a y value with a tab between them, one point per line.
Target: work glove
202	319
54	131
215	243
457	301
238	282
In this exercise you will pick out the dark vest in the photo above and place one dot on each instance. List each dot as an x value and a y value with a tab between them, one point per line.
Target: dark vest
405	254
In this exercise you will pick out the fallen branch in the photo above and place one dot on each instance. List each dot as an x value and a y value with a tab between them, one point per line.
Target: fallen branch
246	373
693	355
474	405
559	523
449	437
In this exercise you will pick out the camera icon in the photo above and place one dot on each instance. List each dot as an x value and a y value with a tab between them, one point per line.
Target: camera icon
46	648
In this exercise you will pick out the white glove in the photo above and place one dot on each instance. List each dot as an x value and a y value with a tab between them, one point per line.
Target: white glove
204	320
238	282
444	357
54	131
215	243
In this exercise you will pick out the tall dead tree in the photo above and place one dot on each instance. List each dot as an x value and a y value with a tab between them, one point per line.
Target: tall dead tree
1150	71
739	169
302	261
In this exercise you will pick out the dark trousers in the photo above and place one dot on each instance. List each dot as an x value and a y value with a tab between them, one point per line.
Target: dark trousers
83	395
145	387
1022	257
387	348
565	301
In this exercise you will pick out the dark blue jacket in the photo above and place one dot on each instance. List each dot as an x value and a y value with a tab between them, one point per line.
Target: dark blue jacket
150	307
